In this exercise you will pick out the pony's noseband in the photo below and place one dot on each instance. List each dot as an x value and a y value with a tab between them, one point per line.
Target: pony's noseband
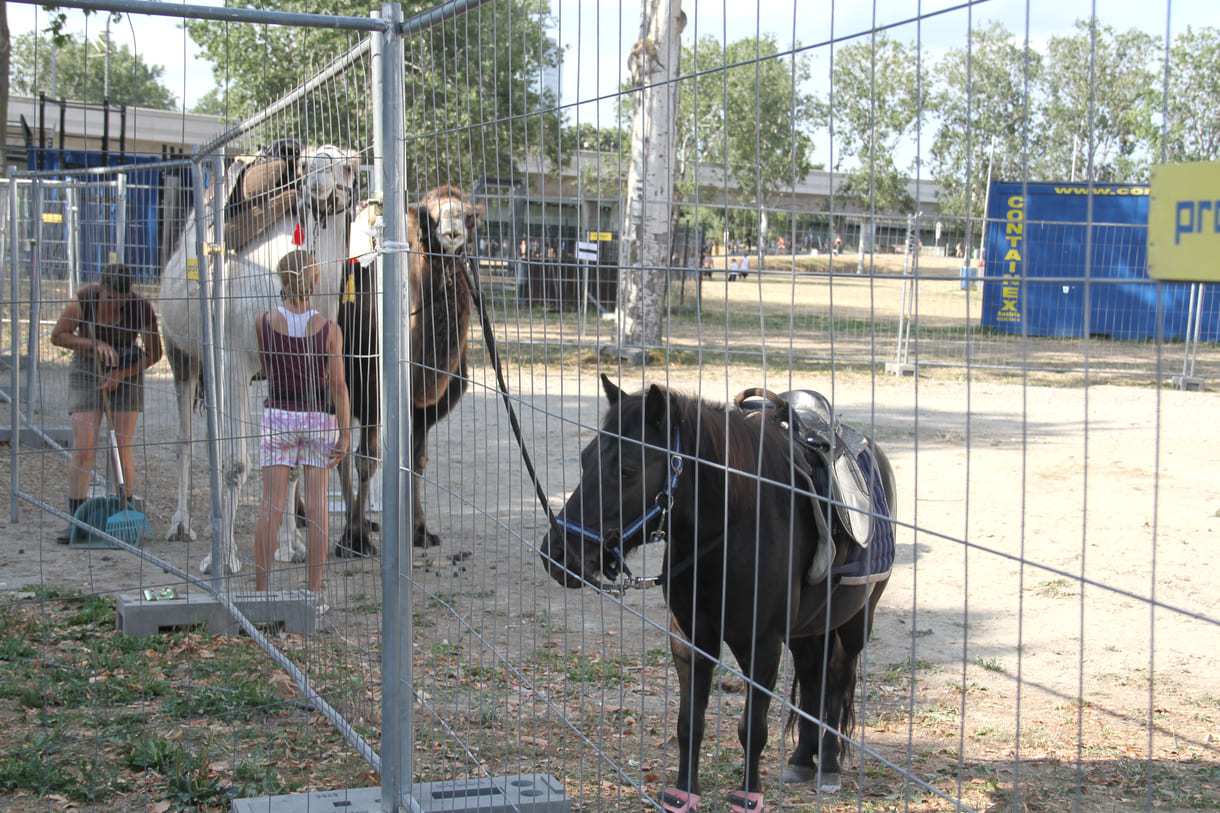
612	541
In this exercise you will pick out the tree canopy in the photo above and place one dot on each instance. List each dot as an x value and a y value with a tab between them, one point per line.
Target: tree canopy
473	85
879	100
79	71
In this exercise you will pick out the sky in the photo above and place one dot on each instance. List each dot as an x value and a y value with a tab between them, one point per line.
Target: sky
599	33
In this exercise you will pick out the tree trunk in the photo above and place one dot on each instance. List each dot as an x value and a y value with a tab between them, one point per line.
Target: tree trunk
644	258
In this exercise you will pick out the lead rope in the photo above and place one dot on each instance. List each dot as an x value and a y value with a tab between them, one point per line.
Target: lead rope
476	292
489	338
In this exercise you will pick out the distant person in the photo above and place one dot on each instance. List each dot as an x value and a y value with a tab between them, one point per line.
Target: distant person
745	266
838	245
301	352
732	269
957	251
112	333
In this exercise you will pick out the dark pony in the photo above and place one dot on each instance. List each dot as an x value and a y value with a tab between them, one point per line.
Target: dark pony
749	563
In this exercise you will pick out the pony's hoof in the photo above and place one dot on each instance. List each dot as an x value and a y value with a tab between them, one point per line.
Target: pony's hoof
743	802
679	801
799	773
828	783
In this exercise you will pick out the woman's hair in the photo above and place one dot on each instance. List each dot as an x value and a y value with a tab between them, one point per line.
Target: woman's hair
298	273
116	278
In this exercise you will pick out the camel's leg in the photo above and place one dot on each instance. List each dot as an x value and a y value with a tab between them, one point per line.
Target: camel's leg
423	420
185	371
366	467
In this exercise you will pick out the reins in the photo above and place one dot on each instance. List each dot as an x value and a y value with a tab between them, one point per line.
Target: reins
489	337
560	526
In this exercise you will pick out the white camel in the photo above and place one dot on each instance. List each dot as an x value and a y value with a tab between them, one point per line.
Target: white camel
287	198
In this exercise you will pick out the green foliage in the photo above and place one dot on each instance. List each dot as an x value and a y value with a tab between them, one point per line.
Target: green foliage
1192	131
1097	95
472	85
880	100
80	71
600	174
742	110
982	104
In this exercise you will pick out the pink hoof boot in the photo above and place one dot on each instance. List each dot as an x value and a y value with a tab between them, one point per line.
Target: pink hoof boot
742	802
679	801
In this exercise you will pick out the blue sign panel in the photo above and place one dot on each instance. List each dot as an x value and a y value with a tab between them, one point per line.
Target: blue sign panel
1066	259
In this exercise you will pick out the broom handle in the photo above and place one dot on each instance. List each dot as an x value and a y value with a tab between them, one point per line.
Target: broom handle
115	463
114	460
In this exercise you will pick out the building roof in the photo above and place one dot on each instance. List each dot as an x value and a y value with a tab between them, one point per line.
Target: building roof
146	131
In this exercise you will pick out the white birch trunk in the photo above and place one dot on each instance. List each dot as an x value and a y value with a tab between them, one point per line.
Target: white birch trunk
644	254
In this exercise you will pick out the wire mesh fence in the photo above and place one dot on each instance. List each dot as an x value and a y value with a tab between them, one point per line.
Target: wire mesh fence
1042	638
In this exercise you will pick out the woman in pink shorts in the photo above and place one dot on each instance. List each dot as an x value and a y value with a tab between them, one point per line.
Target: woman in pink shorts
306	416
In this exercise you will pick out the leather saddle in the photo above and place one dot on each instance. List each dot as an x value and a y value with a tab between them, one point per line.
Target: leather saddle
263	192
839	467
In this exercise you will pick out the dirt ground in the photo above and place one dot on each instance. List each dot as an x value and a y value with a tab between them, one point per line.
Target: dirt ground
1049	633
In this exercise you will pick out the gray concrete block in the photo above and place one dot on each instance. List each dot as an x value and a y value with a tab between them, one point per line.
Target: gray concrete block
899	369
355	800
286	609
527	793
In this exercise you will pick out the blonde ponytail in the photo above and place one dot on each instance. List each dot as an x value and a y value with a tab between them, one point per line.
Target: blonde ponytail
298	273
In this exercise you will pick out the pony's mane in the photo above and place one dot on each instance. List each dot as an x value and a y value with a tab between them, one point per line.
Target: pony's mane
720	435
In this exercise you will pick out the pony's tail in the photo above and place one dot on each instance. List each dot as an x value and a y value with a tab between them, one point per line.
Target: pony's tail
848	722
790	723
840	670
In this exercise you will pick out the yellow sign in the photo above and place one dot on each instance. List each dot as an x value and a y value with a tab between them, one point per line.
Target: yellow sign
1184	223
348	297
114	257
603	236
192	268
52	217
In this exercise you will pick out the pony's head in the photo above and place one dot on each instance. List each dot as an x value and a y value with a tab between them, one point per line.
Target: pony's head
631	474
328	179
443	222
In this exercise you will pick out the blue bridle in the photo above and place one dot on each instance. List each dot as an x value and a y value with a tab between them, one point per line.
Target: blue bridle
661	504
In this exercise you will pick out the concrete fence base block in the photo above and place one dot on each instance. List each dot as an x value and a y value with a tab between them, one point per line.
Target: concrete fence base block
289	610
528	793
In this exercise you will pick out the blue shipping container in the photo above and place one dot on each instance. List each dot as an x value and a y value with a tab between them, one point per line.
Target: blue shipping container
1066	259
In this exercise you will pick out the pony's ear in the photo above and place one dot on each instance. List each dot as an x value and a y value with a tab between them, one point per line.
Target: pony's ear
657	405
613	393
